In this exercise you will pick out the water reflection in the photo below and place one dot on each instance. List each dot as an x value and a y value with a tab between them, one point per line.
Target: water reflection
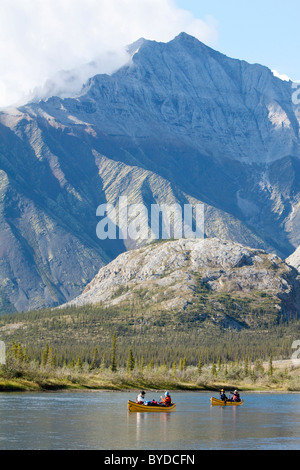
146	423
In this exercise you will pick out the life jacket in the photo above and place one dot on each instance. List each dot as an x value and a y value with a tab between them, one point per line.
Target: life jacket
167	401
236	397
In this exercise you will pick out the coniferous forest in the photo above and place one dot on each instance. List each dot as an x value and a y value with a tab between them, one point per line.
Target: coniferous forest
116	347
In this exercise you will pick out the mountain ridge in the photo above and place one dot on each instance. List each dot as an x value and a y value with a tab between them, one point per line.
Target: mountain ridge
181	123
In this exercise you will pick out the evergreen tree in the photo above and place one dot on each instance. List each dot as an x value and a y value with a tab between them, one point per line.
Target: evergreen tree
200	365
94	363
25	355
113	353
19	353
45	353
214	370
50	358
130	361
246	366
271	370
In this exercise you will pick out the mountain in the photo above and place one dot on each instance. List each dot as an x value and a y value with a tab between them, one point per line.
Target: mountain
181	123
219	281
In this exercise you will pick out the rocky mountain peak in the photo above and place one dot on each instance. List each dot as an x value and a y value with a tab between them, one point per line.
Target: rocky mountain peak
134	47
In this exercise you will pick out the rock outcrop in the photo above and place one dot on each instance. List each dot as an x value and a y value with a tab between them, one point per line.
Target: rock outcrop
171	276
294	259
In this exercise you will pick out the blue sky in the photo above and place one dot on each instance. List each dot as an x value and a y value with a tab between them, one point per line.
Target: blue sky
259	31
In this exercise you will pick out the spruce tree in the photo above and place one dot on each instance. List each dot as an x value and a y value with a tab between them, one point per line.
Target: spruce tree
45	353
246	366
271	370
130	361
94	362
113	353
200	365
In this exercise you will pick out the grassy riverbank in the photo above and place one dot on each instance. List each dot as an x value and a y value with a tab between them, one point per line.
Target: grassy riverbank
247	377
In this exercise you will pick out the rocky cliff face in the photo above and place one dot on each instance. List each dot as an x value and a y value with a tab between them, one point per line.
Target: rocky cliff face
294	259
181	123
178	275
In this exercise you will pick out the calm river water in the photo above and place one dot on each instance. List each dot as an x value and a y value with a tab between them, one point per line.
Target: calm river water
100	420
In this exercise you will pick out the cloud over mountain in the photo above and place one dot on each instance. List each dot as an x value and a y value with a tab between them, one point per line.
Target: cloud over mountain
38	39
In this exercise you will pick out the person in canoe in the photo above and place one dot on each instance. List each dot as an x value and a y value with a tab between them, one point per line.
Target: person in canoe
166	400
223	396
141	398
235	396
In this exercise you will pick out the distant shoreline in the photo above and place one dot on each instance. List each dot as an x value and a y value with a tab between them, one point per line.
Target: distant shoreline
51	388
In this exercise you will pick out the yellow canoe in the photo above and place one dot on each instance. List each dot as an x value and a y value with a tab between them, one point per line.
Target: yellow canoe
135	407
216	402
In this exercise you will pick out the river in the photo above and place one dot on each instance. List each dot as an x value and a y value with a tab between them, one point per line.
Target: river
100	420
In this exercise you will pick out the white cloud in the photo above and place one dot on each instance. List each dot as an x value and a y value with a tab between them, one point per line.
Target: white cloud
39	38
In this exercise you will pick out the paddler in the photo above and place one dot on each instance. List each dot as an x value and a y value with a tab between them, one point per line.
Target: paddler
223	397
141	398
235	396
166	400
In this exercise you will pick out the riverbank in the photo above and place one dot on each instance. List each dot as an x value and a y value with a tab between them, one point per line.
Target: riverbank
30	377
